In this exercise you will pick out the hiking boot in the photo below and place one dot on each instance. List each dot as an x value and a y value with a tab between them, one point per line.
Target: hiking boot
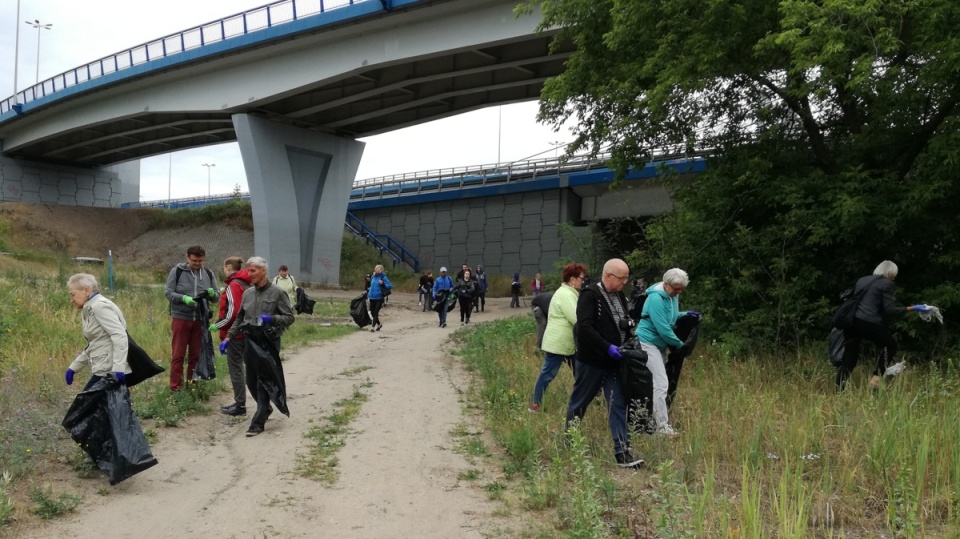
233	410
254	430
533	408
443	325
627	460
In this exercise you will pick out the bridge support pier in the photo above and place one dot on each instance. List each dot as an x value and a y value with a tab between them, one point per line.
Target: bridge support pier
300	183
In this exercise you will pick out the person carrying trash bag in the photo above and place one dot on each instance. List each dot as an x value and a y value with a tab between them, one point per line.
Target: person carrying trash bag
656	333
265	313
442	290
185	289
870	307
104	328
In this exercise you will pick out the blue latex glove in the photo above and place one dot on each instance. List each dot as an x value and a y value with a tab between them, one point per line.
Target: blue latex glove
187	300
119	376
694	313
921	308
211	292
614	352
223	346
266	319
68	377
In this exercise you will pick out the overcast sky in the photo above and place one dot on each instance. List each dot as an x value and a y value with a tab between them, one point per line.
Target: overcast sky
85	30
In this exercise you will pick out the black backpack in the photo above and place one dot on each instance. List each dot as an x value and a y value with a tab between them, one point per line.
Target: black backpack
849	301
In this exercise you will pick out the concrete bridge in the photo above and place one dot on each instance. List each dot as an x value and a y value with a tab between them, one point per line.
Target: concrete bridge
295	83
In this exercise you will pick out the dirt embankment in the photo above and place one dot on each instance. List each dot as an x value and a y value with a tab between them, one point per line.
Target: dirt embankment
77	231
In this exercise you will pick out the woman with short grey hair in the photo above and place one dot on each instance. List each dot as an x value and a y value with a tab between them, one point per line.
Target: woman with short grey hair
655	332
877	306
104	328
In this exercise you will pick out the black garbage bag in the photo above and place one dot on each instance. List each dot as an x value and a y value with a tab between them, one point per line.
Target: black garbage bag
142	366
445	299
636	381
837	344
102	423
687	330
304	302
358	310
262	356
206	370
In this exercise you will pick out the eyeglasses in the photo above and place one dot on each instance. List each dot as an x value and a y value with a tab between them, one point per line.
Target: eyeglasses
619	278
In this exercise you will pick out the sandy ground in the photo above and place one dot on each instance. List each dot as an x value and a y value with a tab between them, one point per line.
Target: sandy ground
398	468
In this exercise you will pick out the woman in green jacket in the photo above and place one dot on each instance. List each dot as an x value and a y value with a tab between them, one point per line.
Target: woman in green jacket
558	344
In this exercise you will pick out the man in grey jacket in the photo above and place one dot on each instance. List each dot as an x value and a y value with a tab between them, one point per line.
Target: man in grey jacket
188	283
263	304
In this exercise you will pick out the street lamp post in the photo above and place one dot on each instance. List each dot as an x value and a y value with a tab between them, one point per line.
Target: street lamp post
36	24
209	166
16	56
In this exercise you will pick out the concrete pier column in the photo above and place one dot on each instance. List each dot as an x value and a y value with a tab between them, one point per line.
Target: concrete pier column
300	182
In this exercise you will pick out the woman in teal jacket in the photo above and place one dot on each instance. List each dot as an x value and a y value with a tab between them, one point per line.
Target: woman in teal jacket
655	331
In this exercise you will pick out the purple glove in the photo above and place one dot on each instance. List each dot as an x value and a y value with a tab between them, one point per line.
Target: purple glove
614	352
223	346
266	319
68	377
119	376
694	313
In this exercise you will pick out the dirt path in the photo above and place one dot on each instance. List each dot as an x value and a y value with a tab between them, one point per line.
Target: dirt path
398	469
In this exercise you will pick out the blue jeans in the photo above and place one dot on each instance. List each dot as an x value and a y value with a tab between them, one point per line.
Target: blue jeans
588	381
443	313
551	366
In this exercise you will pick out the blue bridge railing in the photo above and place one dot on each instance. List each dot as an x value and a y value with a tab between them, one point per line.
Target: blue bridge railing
383	242
240	24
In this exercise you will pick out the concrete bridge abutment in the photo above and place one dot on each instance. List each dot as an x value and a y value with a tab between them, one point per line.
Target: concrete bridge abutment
300	183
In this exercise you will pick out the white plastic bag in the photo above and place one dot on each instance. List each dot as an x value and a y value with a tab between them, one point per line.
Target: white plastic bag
895	369
934	312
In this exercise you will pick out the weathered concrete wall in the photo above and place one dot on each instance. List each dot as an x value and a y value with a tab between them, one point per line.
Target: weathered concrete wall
505	233
27	181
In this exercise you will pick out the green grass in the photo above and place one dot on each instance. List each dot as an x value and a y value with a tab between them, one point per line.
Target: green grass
320	463
850	465
46	506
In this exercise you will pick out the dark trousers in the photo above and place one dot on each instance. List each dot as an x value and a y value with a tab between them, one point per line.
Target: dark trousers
264	409
588	381
879	335
480	301
186	334
514	299
92	381
466	306
375	306
235	367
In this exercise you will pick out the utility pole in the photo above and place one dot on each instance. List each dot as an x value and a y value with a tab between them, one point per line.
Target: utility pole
209	166
36	24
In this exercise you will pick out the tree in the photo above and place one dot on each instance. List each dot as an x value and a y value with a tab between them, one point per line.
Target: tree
832	129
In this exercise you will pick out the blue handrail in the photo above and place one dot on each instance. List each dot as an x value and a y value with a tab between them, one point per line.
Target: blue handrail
383	242
239	24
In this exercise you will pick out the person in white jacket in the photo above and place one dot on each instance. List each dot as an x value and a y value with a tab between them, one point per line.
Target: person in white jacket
104	328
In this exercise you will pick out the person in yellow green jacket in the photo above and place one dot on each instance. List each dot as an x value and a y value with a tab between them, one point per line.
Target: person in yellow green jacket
558	345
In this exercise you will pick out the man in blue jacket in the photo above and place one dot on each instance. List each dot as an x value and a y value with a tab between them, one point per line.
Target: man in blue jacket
442	286
379	288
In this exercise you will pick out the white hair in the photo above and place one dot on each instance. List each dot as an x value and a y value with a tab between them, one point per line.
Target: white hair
257	261
378	267
82	281
676	277
887	269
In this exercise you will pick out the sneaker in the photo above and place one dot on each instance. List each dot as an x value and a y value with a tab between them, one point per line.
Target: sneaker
443	325
627	460
379	326
233	410
667	431
461	322
533	408
468	321
254	430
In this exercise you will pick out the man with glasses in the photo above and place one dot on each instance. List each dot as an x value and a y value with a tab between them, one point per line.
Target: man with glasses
190	287
603	325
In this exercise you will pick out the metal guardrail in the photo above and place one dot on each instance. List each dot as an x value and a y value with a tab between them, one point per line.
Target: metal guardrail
239	24
383	242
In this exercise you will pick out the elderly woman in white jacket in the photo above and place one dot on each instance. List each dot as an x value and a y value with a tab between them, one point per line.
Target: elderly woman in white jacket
104	328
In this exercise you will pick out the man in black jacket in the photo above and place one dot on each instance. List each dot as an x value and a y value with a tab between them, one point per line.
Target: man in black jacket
602	326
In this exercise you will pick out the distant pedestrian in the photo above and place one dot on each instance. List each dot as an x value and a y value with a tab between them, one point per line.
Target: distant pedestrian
379	288
459	275
237	281
261	306
442	288
482	287
558	345
426	290
515	287
188	283
466	293
537	286
284	281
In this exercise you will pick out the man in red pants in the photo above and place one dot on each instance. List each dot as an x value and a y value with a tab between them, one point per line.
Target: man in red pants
188	284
